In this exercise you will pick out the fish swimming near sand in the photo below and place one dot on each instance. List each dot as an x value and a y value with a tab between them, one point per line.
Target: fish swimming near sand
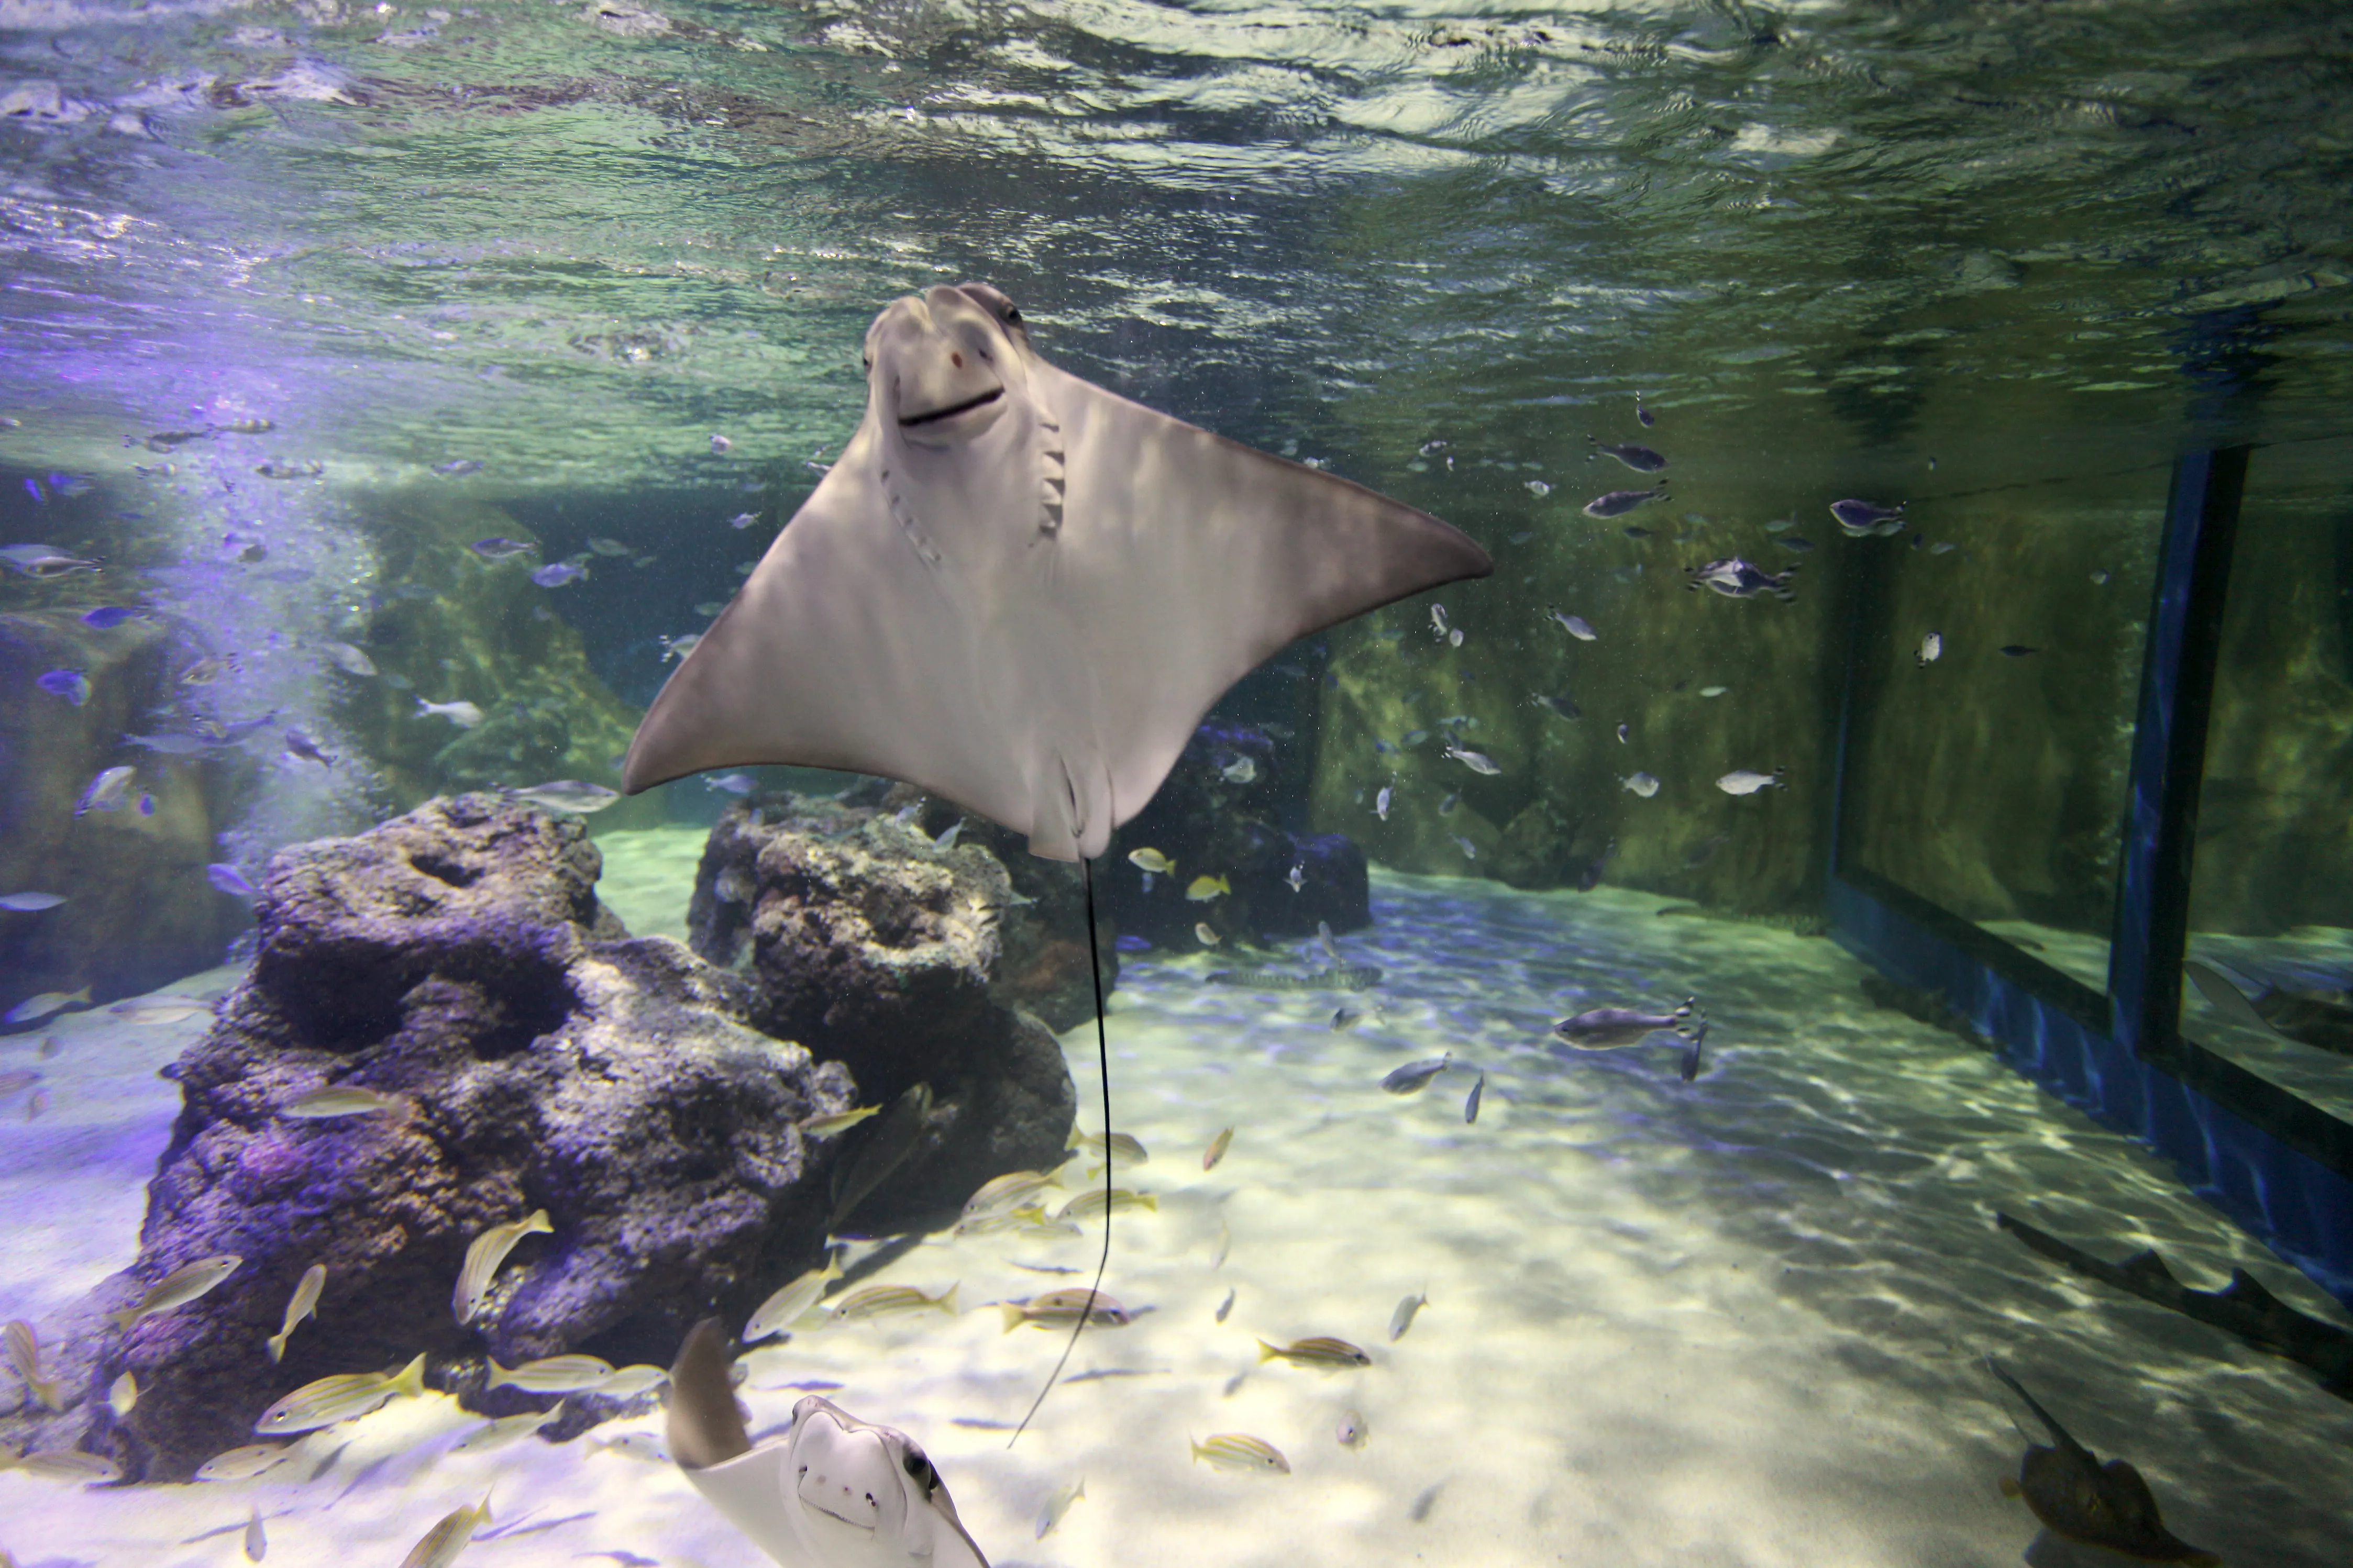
1240	1452
1415	1077
345	1396
2075	1496
1605	1029
1341	977
570	796
443	1542
1407	1310
34	1009
1060	1308
551	1375
1216	1149
1322	1352
789	1304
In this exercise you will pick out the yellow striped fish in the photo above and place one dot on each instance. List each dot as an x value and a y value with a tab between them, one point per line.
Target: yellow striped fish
301	1305
179	1287
1128	1150
551	1375
24	1355
446	1539
1093	1201
1012	1191
788	1306
482	1259
1322	1351
881	1301
1240	1451
1060	1308
345	1396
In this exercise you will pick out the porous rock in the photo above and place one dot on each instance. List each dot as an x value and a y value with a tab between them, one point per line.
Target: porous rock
859	935
456	958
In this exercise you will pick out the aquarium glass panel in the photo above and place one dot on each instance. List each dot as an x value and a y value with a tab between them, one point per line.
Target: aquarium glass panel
1995	682
2271	906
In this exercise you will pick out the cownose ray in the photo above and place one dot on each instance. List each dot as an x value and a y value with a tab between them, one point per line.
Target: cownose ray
832	1492
2074	1496
1022	593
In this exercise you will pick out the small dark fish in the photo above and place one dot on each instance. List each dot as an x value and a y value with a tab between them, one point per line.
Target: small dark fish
1641	459
1795	541
298	745
497	549
1131	943
458	467
1704	851
164	440
1860	518
1471	1107
1345	977
1589	876
107	618
1698	1040
1617	503
71	684
1737	579
279	469
1642	413
1602	1029
1414	1077
2018	650
2073	1495
1561	707
1634	532
230	880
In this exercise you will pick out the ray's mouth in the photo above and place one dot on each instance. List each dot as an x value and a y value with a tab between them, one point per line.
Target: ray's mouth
912	420
853	1524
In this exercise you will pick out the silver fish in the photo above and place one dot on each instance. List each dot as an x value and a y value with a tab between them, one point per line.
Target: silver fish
569	795
30	902
1643	784
1574	626
1477	762
1737	579
462	713
1057	1505
1414	1077
1351	1430
789	1304
1641	459
349	660
1603	1029
106	792
1741	781
1932	648
1225	1306
1618	503
1561	707
331	1101
257	1541
1438	622
179	1287
1298	876
244	1464
1381	802
1402	1319
1861	518
1240	771
1471	1105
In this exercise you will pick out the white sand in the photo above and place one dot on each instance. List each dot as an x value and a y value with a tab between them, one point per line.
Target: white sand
1735	1323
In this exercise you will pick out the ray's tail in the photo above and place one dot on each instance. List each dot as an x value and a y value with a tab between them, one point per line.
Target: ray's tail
1102	1061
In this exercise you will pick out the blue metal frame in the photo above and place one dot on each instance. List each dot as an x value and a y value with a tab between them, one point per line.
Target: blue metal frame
2279	1167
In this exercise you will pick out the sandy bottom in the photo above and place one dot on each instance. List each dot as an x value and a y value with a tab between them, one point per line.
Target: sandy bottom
1732	1322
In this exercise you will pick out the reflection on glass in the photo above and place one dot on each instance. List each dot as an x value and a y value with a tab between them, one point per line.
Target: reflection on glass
2271	905
1995	709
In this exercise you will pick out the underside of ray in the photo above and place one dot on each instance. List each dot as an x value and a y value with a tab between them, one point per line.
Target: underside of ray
1022	593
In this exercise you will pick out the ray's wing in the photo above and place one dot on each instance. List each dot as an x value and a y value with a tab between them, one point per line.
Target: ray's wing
847	649
1185	560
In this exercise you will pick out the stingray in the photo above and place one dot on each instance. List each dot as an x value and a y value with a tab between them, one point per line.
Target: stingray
2074	1496
1022	593
832	1492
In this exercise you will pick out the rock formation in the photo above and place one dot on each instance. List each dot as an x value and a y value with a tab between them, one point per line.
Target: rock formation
456	960
855	929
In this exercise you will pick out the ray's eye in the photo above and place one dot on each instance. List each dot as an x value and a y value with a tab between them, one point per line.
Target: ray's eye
919	1468
1012	312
